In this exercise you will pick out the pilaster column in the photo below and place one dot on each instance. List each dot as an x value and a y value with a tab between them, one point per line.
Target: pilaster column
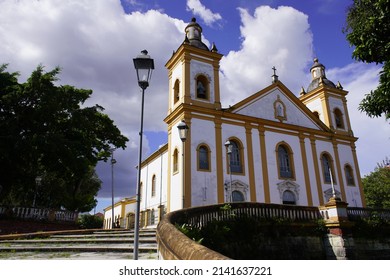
264	167
219	161
305	169
316	169
251	173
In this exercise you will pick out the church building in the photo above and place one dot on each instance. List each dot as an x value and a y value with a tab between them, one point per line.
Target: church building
271	147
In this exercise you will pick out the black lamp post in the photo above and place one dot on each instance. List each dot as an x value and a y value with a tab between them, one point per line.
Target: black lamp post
38	183
144	66
183	132
229	147
113	161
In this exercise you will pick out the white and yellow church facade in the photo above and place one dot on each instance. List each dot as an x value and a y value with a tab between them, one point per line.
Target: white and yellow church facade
283	148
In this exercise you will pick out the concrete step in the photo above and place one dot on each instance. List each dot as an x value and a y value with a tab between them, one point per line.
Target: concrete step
94	245
82	240
104	235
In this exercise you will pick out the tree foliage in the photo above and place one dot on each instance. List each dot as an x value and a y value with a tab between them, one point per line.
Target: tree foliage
368	29
376	187
45	132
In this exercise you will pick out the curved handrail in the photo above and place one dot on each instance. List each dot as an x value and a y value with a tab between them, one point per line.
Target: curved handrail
175	245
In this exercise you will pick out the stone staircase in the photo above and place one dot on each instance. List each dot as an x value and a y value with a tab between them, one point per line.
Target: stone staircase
93	245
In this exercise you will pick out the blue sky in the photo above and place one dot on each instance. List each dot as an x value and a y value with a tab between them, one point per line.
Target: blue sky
94	43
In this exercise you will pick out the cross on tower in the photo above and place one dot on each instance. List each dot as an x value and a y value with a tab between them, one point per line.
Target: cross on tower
274	76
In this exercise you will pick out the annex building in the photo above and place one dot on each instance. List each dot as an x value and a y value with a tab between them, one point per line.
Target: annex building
284	149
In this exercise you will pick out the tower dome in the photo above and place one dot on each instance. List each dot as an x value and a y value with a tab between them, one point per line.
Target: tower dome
194	35
318	77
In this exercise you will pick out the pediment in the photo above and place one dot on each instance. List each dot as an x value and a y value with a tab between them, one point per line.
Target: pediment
278	103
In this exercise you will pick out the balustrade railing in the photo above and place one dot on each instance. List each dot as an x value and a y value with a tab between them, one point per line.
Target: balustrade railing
200	216
357	213
39	214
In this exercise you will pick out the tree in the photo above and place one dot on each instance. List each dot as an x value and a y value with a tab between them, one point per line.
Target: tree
376	187
368	29
45	132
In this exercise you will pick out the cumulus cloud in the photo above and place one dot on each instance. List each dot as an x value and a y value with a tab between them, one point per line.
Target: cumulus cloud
270	37
204	13
374	133
94	43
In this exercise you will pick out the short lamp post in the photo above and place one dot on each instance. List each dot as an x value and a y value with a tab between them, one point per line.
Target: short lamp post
144	66
38	183
113	161
183	132
229	147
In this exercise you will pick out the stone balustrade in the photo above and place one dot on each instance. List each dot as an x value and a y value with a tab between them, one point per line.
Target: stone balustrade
39	214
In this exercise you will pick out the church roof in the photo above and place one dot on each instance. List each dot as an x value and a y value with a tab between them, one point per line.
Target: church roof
315	83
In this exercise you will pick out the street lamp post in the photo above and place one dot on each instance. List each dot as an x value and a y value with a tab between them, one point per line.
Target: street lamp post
113	161
331	183
183	132
38	182
144	66
229	147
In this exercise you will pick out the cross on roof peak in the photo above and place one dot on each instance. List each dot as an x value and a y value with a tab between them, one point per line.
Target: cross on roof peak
274	76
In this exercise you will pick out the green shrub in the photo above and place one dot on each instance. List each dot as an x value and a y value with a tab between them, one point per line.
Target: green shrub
90	221
373	227
191	232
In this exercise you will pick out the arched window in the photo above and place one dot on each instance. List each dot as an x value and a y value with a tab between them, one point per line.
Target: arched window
154	185
289	198
175	160
202	87
349	175
176	91
237	196
285	163
235	157
327	168
203	158
338	116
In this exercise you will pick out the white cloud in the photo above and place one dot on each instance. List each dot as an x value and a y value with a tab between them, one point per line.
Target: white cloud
373	133
205	14
271	37
94	43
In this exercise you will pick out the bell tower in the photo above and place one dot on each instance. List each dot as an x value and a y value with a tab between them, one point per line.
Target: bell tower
193	72
327	100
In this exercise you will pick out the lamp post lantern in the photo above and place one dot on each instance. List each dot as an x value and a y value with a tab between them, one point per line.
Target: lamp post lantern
144	66
183	132
229	147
